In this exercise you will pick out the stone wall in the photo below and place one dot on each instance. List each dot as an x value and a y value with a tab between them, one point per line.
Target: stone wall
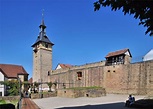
74	93
10	98
136	78
42	63
44	95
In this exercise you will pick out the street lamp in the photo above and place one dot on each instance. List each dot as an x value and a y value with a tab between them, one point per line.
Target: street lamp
19	80
40	92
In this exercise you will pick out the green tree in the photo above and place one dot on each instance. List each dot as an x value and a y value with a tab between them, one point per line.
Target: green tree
12	86
141	9
49	85
36	85
26	85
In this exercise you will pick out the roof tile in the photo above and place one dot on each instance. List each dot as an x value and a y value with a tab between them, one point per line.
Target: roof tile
30	80
119	52
65	65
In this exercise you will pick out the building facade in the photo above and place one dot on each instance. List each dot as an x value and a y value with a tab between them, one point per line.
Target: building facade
11	72
148	56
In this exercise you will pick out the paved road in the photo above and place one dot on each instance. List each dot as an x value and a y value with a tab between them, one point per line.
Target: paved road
111	101
27	103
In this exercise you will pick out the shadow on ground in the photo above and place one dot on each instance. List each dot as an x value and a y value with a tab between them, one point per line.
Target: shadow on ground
119	105
144	103
139	104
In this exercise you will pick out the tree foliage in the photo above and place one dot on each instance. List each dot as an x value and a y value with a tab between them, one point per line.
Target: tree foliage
49	85
141	9
12	87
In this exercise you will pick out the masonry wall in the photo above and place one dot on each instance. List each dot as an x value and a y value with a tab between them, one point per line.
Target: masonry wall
134	78
42	63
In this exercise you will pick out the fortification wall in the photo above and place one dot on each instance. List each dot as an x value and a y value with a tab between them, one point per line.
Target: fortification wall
88	65
134	78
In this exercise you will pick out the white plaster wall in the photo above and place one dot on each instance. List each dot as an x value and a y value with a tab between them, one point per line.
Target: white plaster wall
127	53
58	67
148	56
1	86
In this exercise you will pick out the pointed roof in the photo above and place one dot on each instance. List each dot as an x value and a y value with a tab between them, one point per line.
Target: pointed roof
63	66
118	52
42	37
11	71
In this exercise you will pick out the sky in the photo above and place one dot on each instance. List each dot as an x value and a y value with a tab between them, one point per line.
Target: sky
80	35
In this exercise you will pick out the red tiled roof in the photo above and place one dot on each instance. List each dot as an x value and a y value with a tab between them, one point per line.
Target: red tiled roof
119	52
30	80
11	71
65	65
2	72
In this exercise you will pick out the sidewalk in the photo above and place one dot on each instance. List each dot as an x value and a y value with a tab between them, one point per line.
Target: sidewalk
27	103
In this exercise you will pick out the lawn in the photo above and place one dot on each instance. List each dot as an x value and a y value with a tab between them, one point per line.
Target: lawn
14	102
2	102
82	88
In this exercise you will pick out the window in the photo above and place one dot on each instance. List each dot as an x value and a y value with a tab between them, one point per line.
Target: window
121	59
48	73
112	59
46	45
79	75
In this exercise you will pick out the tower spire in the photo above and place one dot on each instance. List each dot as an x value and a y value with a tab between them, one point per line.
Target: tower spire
42	37
42	25
42	17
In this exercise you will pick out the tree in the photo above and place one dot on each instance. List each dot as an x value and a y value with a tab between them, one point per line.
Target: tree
141	9
26	85
12	87
49	85
36	85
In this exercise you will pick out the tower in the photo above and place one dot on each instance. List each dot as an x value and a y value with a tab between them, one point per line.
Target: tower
42	55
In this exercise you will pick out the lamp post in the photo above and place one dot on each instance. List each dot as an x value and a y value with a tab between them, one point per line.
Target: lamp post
40	87
19	91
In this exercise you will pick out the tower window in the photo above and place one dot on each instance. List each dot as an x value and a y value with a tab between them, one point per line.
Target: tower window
46	45
48	73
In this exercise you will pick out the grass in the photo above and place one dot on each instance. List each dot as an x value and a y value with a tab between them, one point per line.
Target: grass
85	88
14	102
2	102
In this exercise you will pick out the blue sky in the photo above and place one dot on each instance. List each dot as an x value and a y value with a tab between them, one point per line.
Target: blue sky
80	35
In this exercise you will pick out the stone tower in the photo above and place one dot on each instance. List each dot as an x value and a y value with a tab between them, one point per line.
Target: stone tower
42	56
